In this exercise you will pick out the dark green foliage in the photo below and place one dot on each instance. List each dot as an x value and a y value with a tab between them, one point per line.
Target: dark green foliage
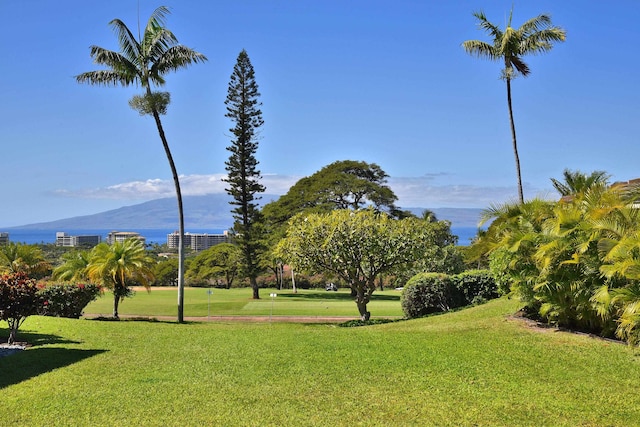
576	182
67	300
476	286
217	265
243	175
166	272
442	257
428	293
18	300
343	184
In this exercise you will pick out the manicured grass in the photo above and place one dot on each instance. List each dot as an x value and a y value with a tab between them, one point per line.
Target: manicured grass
238	302
471	367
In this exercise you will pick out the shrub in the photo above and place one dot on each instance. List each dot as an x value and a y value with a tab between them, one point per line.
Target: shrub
427	293
18	300
476	286
67	300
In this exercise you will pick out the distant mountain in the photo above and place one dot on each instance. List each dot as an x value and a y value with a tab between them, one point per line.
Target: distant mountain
211	211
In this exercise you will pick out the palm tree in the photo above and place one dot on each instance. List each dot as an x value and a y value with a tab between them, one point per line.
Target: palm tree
20	258
145	61
534	36
120	265
74	268
577	182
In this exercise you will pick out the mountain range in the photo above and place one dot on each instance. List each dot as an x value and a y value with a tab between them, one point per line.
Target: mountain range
211	211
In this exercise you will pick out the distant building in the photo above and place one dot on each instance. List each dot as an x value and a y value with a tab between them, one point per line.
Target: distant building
197	241
4	238
64	239
121	236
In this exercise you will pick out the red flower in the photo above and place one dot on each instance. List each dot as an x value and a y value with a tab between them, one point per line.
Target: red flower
46	303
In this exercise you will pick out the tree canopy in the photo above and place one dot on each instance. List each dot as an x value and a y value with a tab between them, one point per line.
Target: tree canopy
356	246
345	184
221	261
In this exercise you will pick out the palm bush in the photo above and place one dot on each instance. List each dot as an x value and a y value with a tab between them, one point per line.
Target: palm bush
574	262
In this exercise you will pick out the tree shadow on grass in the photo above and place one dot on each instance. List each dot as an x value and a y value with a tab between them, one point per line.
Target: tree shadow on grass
30	363
342	296
133	318
33	339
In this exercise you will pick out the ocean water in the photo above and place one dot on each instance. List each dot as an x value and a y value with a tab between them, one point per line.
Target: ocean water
159	235
154	235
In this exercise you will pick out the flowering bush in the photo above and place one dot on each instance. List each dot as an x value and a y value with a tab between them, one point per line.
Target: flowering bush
18	300
66	300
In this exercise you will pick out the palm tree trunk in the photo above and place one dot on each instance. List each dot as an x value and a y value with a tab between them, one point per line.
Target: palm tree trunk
176	182
515	144
116	302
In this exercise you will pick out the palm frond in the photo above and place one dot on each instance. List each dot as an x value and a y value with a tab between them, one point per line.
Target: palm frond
175	58
480	49
105	78
535	25
129	46
493	30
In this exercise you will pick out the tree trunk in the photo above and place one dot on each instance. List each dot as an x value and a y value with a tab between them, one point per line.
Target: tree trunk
254	286
361	302
515	144
116	302
293	281
13	331
176	183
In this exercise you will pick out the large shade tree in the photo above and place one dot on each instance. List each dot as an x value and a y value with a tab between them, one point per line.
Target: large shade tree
356	246
119	266
344	184
220	262
510	45
144	61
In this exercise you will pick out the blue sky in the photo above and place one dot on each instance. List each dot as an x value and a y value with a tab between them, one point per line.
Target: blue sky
385	82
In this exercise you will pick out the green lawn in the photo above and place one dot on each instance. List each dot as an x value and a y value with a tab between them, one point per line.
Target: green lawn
467	368
238	302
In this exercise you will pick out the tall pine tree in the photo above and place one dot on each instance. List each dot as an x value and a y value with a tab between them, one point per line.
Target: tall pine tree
243	108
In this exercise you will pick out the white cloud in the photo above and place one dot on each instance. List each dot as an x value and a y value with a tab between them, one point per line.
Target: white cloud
424	191
190	185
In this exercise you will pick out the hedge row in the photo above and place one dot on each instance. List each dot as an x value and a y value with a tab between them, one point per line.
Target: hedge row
427	293
65	300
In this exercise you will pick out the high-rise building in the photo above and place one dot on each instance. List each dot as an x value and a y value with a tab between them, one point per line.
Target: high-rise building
121	236
64	239
197	241
4	238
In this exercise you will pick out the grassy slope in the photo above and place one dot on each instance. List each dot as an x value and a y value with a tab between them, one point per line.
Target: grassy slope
472	367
